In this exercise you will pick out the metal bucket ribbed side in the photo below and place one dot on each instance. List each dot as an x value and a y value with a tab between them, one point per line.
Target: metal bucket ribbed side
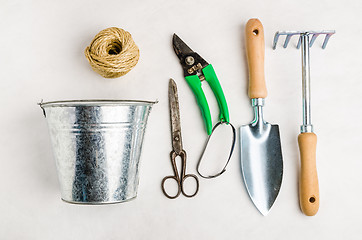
97	147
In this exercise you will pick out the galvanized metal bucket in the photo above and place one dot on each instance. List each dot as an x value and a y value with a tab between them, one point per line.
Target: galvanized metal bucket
97	146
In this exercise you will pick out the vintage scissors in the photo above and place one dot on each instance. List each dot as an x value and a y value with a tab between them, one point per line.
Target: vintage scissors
196	70
177	149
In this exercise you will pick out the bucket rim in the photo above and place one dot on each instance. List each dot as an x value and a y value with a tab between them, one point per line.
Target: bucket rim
94	102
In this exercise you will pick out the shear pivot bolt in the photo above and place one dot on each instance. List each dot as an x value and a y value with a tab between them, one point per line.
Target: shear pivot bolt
189	60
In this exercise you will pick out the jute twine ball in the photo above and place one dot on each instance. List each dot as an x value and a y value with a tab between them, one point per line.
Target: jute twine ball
112	53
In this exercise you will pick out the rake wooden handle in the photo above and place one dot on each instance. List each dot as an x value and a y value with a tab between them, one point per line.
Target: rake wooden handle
255	51
308	182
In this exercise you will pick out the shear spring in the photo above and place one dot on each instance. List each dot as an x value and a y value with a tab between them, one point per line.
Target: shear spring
207	142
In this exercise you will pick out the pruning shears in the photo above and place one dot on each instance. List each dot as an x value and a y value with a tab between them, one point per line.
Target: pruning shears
196	70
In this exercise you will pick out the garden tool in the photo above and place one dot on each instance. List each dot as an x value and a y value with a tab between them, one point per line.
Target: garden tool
177	149
261	154
196	70
307	139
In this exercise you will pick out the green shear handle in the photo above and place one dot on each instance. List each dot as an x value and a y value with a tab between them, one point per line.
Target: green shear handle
195	84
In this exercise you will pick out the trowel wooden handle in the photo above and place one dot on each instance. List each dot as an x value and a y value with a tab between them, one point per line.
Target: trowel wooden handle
308	182
255	51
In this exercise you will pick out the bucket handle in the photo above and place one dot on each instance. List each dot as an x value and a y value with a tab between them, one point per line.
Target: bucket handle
41	106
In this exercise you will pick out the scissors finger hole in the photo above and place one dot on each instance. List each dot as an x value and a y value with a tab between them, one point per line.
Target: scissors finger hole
190	185
170	187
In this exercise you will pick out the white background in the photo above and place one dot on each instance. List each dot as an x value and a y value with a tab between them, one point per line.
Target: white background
41	57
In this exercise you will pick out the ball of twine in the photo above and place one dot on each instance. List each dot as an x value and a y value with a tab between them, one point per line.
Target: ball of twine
112	53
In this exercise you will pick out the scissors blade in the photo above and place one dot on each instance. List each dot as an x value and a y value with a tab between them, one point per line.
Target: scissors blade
175	117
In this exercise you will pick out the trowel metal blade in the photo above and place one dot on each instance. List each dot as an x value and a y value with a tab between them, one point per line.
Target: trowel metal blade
261	163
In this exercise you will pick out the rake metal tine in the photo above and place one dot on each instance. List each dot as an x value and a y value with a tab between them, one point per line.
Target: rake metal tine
276	37
314	37
290	34
287	39
326	40
299	42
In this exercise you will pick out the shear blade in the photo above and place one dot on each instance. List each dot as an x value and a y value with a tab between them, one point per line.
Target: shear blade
180	47
183	52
